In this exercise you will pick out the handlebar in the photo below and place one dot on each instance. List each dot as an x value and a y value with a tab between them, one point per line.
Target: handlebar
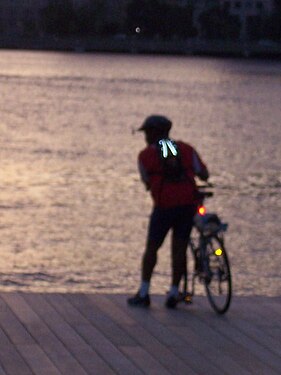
205	194
206	186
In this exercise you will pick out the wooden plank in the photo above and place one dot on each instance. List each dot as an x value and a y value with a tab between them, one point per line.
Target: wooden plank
119	362
100	320
179	316
30	351
258	311
245	352
184	332
144	360
52	346
274	332
193	358
269	306
161	353
254	319
147	340
195	361
79	349
10	359
266	359
107	305
14	329
213	350
46	339
37	360
93	336
116	309
238	356
266	362
64	334
140	337
272	344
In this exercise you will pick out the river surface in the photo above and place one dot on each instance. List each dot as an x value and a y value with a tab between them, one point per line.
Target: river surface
73	213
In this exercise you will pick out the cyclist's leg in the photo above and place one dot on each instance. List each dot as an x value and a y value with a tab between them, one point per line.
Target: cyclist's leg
158	229
159	226
181	232
149	260
180	238
179	259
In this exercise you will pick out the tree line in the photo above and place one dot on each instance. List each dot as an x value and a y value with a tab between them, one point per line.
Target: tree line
152	19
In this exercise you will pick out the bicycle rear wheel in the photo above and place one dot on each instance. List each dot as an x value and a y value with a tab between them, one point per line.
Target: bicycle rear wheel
218	286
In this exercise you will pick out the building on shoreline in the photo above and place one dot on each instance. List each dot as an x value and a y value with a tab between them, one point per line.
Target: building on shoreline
24	17
248	11
20	16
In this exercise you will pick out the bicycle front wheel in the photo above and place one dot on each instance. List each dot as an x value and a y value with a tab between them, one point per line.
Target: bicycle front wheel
218	284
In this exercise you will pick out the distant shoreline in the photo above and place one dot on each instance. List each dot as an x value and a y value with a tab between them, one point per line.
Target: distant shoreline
122	44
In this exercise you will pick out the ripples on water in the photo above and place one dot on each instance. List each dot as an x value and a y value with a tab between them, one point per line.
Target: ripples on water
73	213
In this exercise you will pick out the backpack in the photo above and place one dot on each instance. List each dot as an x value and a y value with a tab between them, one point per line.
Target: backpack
170	157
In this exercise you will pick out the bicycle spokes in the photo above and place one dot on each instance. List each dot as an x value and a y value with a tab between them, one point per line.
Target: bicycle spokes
218	288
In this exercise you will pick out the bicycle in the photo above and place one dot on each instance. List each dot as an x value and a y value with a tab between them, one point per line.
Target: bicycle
210	260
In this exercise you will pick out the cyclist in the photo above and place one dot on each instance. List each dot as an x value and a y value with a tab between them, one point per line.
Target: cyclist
174	203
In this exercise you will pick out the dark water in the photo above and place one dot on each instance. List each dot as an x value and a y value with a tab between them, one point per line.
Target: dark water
73	213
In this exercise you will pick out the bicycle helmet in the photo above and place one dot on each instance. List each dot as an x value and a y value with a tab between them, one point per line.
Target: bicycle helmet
157	122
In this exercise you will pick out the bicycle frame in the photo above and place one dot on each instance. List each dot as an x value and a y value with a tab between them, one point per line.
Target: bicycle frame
211	265
197	248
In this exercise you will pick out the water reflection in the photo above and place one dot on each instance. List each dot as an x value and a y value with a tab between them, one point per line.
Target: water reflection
73	213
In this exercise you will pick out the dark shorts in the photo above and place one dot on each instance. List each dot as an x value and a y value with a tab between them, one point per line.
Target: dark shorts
179	219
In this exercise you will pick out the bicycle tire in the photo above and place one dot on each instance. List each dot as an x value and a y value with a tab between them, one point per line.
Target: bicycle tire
219	286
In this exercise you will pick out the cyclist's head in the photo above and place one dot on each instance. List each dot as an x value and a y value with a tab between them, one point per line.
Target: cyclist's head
156	127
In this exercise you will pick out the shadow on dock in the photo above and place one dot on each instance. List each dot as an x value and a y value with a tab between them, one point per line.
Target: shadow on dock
99	334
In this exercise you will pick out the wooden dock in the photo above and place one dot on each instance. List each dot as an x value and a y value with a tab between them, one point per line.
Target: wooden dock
75	334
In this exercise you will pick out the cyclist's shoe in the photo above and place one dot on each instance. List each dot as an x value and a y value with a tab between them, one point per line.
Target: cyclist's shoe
171	302
139	301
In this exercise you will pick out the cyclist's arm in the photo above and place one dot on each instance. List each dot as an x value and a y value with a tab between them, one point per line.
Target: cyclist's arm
199	167
144	175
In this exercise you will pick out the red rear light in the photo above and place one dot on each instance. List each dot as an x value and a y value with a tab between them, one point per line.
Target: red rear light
201	210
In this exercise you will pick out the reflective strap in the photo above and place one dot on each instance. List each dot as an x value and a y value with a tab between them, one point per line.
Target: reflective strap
164	148
165	145
172	148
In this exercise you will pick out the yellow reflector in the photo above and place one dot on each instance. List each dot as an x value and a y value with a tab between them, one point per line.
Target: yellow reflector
218	252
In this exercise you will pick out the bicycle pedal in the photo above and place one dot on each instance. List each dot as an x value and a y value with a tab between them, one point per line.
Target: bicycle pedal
205	277
188	299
